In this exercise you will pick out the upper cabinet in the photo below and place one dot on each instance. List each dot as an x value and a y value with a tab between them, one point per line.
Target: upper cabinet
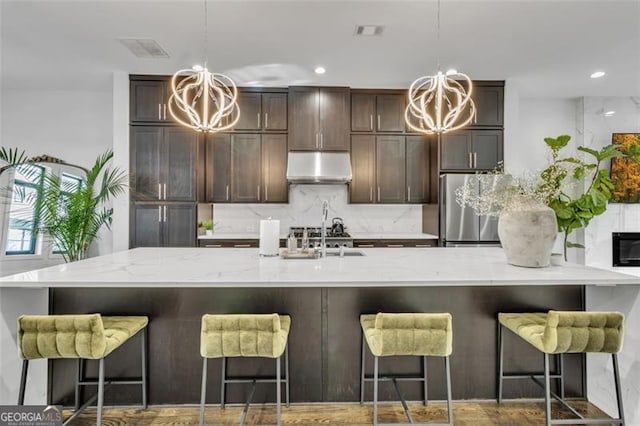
148	101
489	100
262	111
471	150
319	119
377	112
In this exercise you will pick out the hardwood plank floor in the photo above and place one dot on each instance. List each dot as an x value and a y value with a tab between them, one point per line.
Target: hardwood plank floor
465	414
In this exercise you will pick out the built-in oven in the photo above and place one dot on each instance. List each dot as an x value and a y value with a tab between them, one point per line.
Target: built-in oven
626	249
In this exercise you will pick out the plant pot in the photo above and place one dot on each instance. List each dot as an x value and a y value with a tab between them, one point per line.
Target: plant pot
528	236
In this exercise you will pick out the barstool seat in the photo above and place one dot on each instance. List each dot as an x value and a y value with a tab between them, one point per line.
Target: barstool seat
560	332
81	337
245	335
408	334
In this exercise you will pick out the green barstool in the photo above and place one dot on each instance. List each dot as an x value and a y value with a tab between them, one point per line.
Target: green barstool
262	335
561	332
409	334
81	337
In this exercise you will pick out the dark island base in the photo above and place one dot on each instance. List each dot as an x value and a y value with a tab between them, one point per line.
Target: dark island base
324	341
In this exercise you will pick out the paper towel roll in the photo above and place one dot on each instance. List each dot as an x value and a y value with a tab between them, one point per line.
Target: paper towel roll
269	237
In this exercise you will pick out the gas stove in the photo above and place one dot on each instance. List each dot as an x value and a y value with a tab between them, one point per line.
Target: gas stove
333	240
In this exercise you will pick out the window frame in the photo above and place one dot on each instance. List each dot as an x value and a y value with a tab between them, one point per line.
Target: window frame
34	246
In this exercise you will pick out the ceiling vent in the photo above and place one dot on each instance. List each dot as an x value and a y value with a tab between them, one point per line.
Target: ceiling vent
369	30
144	47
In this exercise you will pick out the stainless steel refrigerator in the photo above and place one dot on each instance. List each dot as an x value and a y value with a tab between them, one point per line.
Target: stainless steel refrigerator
461	226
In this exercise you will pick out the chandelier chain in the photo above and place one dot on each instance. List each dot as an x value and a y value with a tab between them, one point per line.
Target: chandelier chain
438	32
206	34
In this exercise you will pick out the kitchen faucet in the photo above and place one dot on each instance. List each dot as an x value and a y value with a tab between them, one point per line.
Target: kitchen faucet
323	228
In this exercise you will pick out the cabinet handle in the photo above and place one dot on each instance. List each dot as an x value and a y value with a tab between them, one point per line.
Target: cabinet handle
164	108
321	140
165	214
378	194
316	140
258	192
408	193
213	245
395	245
266	193
378	121
227	192
242	245
371	121
159	214
266	120
164	191
471	160
258	120
371	194
159	191
475	159
365	245
159	112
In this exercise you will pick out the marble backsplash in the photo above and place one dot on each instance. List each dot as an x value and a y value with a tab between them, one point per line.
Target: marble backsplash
305	209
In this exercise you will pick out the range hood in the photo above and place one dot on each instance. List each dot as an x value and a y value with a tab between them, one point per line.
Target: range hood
319	167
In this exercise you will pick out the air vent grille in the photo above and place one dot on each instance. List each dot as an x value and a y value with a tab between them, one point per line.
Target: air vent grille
144	47
369	30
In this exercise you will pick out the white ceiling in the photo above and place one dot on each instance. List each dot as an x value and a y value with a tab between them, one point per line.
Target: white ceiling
548	47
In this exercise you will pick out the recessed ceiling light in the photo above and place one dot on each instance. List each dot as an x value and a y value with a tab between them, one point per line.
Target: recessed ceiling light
598	74
320	70
608	113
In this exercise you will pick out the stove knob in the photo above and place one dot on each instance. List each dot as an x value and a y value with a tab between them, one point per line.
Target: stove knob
336	245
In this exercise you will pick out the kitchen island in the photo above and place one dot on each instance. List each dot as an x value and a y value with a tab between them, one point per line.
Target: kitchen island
174	287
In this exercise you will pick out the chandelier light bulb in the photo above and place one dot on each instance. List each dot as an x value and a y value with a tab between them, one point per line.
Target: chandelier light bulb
451	71
320	70
598	74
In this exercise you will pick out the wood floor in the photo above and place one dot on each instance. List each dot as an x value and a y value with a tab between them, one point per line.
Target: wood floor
465	414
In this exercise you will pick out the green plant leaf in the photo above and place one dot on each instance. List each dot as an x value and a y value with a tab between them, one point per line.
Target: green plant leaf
574	245
590	151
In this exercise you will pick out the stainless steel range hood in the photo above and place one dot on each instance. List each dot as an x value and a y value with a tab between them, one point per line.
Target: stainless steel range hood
319	167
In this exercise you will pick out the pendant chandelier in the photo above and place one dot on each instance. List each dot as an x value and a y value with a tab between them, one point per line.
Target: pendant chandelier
202	100
440	103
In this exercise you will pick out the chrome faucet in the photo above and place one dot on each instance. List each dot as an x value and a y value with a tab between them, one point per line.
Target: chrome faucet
323	229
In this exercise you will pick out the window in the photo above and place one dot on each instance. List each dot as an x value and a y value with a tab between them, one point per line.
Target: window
23	218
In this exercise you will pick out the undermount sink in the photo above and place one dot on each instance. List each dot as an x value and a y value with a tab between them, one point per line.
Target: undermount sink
346	253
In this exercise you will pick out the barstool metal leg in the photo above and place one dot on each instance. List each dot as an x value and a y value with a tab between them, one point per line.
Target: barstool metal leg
203	390
223	384
561	373
80	365
449	397
500	361
100	390
375	391
286	372
424	373
616	376
278	391
144	368
23	381
547	390
362	371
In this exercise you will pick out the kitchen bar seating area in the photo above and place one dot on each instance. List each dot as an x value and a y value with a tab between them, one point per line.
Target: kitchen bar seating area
346	212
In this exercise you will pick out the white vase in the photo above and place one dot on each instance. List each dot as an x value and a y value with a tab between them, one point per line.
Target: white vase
528	236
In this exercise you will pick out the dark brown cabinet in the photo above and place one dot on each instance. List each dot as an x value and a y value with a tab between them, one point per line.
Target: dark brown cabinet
163	225
319	119
489	100
418	169
262	111
246	168
390	169
472	150
363	166
163	163
148	101
377	112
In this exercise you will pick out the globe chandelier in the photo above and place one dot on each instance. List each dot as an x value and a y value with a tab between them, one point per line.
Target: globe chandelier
440	103
203	100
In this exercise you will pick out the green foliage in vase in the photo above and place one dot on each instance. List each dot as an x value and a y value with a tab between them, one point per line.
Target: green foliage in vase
577	204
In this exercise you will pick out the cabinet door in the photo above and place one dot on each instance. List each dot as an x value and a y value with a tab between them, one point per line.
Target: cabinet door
250	106
334	119
218	168
179	225
245	168
146	225
390	113
456	151
390	169
489	105
303	119
418	169
147	101
361	188
363	107
274	110
274	169
145	163
487	149
179	174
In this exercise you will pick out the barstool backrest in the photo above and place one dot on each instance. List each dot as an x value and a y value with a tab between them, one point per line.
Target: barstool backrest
258	335
422	334
569	331
61	336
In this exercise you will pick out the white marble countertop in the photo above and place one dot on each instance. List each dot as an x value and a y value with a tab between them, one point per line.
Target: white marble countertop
380	267
355	235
